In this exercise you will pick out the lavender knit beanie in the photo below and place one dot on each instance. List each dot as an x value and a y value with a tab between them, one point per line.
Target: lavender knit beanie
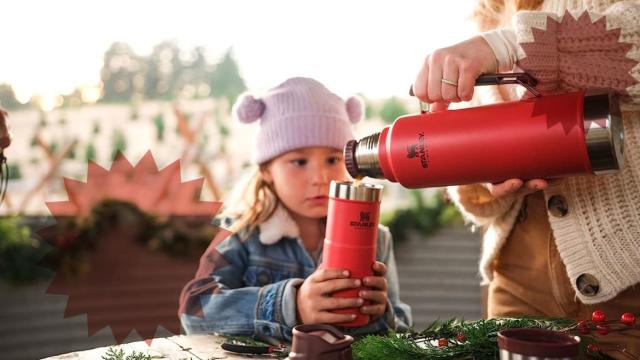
298	113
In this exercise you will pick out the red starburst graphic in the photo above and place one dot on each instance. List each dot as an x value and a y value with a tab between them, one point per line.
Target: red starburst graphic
573	54
125	280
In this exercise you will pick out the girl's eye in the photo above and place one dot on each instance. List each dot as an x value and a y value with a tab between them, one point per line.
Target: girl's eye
299	162
332	160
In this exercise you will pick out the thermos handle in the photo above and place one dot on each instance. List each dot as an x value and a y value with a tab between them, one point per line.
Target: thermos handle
521	78
524	79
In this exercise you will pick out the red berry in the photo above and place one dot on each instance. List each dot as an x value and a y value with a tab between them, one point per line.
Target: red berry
584	330
603	329
593	348
628	319
443	342
598	316
460	337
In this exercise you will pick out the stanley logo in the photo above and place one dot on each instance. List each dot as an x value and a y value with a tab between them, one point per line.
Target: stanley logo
419	150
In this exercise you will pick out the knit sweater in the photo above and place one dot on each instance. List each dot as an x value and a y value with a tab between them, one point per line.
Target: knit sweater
598	46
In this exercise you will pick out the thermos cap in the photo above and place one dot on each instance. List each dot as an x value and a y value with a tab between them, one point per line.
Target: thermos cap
349	190
538	343
604	134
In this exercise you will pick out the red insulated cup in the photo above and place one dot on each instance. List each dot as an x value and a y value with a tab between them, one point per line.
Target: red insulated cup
547	137
351	236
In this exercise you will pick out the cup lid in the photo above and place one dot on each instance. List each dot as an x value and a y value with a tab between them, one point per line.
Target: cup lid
355	191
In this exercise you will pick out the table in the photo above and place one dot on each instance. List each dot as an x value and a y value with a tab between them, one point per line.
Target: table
195	347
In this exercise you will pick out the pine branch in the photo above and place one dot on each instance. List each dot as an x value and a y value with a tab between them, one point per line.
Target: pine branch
463	340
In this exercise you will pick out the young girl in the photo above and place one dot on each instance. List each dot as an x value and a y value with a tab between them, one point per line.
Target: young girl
573	247
264	279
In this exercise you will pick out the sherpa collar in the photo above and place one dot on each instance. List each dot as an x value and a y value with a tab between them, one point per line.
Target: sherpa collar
279	225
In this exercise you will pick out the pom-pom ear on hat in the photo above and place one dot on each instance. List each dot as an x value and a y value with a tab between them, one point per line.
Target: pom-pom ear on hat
355	109
248	108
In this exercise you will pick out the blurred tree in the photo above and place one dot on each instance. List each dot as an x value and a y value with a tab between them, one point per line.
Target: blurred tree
163	71
90	153
225	80
96	126
73	99
43	119
369	109
14	171
158	121
122	74
392	109
118	143
8	98
193	82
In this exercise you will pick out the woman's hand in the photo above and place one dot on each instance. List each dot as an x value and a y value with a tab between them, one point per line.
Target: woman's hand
314	301
449	74
517	187
377	294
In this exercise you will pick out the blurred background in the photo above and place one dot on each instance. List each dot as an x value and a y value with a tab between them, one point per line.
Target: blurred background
86	80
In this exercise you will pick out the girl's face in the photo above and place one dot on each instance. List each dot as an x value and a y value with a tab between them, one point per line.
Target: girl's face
301	178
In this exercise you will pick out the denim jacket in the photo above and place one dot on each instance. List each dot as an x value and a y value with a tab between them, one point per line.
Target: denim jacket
246	285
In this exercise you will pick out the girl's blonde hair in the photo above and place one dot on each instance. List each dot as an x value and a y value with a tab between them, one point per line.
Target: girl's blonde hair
252	202
492	14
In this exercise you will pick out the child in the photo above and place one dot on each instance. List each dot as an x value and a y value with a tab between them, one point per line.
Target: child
574	247
264	279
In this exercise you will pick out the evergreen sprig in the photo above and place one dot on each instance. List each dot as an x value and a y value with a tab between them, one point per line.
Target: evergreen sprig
478	340
118	354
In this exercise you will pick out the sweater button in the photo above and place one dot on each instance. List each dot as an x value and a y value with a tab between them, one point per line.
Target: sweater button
587	284
557	206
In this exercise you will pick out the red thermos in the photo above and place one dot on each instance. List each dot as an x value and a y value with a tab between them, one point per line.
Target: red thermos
539	138
351	235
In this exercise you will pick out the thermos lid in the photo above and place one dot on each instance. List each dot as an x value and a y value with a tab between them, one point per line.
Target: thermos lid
603	131
350	190
539	343
319	341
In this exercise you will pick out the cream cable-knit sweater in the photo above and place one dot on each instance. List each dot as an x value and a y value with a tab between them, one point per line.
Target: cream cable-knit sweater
600	235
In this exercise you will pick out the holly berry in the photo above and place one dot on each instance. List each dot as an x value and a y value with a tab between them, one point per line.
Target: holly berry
460	337
603	329
598	316
593	348
443	342
628	319
583	328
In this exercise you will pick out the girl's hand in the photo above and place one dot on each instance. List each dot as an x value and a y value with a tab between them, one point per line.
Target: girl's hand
377	294
314	301
449	74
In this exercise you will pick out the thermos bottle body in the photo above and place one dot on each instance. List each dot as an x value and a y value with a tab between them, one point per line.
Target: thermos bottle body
351	235
545	137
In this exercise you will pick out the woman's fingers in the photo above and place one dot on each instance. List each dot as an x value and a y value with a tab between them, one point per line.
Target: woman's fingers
434	86
449	81
420	84
506	188
517	186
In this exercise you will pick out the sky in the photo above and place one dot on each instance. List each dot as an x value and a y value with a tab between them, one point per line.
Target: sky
353	46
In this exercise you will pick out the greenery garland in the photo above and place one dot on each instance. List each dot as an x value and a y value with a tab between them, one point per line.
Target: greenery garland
453	339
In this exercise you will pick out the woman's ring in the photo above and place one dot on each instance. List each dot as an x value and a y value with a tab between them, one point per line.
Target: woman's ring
452	83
